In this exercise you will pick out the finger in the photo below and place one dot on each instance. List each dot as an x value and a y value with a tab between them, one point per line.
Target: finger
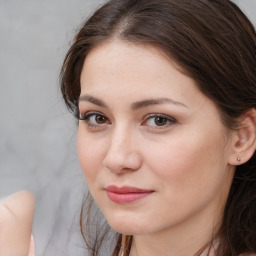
16	213
32	247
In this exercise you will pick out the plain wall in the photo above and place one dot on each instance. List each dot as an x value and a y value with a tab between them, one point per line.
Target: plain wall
37	134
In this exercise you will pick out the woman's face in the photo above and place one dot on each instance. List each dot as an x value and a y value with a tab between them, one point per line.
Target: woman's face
152	147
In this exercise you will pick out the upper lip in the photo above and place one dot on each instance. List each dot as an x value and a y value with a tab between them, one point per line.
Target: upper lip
126	190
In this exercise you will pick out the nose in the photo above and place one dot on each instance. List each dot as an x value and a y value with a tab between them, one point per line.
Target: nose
122	154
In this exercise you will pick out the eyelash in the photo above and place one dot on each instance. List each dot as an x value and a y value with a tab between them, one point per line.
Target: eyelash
87	117
166	119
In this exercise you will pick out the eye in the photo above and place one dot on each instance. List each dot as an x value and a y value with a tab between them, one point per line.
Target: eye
158	121
94	119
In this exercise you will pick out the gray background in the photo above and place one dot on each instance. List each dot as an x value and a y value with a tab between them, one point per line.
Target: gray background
37	134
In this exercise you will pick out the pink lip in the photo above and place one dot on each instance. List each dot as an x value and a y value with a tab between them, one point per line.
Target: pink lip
125	195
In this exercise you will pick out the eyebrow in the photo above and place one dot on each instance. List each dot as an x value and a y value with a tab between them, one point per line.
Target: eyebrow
93	100
158	101
136	105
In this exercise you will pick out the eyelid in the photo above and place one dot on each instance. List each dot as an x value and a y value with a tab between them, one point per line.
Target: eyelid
170	120
87	114
85	118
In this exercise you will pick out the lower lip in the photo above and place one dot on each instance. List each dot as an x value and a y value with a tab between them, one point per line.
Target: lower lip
126	198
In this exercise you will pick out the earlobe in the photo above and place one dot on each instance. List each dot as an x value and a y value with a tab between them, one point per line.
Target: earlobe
245	139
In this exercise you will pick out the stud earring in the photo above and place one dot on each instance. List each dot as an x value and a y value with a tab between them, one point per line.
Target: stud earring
238	159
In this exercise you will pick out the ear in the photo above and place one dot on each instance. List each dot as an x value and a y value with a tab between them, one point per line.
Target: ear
244	144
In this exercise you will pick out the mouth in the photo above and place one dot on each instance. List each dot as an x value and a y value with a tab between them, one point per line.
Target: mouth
126	195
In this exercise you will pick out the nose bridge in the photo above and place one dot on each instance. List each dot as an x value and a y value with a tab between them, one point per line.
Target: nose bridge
121	137
122	153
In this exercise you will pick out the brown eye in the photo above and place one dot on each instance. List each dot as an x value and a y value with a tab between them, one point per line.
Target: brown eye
100	119
160	121
95	119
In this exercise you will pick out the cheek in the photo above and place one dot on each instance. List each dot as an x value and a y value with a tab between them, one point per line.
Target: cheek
90	155
188	175
190	162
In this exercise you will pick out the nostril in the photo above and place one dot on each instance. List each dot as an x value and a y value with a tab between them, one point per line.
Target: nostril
122	163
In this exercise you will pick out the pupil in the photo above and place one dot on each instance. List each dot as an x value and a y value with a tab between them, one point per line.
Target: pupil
100	119
160	121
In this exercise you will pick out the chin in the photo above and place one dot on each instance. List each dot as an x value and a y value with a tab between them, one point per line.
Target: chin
128	227
128	230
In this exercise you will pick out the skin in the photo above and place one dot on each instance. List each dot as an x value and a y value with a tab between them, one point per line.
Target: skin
16	217
183	158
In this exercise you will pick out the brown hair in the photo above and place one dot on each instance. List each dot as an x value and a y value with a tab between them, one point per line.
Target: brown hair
214	43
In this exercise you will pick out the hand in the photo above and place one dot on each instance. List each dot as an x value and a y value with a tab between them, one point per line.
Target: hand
16	217
31	247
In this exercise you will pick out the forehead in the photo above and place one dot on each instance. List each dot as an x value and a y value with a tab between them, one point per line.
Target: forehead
124	72
117	55
130	65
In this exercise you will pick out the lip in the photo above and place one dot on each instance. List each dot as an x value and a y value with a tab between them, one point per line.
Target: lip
126	194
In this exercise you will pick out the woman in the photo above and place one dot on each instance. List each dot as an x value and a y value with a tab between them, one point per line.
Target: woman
165	95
